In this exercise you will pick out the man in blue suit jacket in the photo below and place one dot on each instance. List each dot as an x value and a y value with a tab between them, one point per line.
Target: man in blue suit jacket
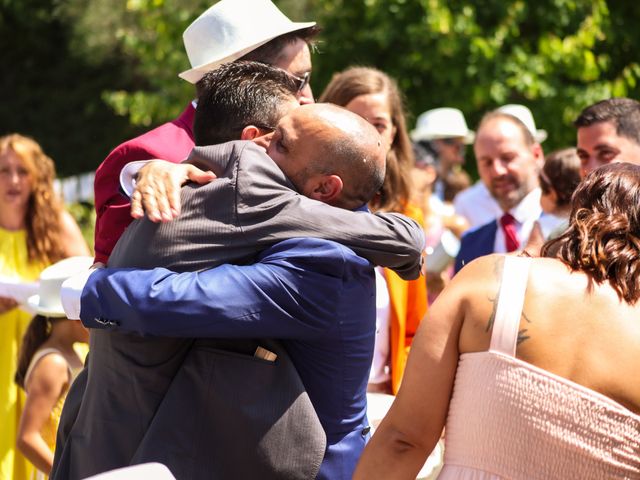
509	160
248	205
316	296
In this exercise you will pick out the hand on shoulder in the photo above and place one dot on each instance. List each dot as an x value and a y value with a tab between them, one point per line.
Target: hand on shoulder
157	191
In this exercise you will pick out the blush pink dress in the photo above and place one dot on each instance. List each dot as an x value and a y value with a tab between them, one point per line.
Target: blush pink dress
510	419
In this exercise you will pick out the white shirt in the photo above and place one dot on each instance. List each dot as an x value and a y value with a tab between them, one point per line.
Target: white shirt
525	214
551	224
71	293
477	205
128	175
380	366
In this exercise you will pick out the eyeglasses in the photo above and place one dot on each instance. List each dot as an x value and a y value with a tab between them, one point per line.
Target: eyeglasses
302	81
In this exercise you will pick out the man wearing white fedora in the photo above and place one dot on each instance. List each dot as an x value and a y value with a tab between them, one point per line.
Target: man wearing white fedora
443	132
229	30
476	203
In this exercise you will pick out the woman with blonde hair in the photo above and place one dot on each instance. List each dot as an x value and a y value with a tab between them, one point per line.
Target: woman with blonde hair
35	231
531	362
401	305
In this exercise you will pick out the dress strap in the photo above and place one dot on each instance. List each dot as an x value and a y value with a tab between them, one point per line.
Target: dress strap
39	355
504	336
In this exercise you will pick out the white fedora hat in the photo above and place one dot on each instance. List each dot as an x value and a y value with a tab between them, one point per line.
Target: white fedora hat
523	114
229	30
47	301
442	123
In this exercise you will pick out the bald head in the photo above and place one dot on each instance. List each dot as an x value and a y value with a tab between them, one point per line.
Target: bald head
330	154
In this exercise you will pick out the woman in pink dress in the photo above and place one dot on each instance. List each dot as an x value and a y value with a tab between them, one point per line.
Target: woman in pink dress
532	363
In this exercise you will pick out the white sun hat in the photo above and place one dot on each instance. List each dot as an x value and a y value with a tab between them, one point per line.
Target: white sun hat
442	123
47	301
523	114
229	30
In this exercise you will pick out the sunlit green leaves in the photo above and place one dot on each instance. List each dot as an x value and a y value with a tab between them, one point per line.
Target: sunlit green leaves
556	56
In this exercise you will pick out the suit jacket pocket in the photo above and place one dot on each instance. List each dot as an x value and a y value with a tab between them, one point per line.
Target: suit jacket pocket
228	414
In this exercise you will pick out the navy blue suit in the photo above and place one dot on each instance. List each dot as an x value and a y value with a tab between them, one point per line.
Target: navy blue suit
476	243
315	295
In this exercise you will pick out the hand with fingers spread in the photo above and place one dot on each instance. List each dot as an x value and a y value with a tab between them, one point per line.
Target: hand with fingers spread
157	191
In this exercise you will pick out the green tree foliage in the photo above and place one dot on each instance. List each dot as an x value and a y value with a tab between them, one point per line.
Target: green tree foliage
52	92
83	75
150	31
555	56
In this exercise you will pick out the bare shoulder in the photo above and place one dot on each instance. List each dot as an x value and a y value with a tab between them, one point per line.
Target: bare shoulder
482	270
49	375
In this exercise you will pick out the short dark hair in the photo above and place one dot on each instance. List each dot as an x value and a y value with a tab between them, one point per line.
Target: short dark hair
561	171
624	113
238	94
270	52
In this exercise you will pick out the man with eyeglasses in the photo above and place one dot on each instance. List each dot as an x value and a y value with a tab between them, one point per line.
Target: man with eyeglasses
229	30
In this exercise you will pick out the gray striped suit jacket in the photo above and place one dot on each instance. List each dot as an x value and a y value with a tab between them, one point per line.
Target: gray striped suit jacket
135	400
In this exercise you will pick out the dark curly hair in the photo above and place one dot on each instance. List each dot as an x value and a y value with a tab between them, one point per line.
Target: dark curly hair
603	238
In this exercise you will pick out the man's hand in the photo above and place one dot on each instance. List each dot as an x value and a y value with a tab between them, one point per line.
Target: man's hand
6	304
158	189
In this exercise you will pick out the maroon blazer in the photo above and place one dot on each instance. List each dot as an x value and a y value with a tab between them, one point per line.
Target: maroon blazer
171	141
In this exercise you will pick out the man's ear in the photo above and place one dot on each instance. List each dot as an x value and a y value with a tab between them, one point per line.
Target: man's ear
536	149
250	133
326	188
253	133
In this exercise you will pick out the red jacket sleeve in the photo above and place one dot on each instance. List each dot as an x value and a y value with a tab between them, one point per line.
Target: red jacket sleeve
171	141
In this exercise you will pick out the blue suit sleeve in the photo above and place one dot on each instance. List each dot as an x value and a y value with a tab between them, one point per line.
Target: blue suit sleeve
289	293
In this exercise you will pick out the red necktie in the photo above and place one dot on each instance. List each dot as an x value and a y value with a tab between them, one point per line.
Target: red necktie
509	228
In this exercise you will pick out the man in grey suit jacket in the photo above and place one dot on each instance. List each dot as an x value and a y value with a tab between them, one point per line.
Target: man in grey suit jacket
250	206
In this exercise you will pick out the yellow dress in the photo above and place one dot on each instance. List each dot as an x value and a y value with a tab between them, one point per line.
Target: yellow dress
13	263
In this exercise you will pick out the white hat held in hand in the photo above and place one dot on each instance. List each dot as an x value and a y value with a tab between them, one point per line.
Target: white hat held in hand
442	123
47	301
523	114
229	30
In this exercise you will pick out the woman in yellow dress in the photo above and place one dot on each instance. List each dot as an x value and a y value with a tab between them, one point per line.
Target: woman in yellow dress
35	231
